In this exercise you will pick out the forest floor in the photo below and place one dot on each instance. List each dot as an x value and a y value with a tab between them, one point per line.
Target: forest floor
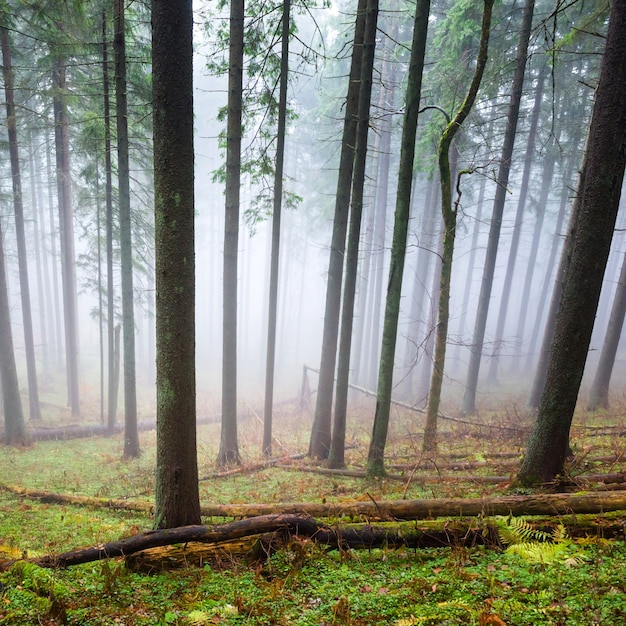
534	578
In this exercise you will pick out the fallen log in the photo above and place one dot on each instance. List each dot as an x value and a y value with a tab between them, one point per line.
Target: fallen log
256	538
538	504
245	469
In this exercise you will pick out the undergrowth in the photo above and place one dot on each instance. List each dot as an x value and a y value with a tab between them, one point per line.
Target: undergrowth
540	578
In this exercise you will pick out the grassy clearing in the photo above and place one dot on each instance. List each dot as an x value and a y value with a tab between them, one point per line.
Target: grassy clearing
583	583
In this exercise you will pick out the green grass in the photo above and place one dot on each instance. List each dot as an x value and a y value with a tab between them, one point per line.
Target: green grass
302	584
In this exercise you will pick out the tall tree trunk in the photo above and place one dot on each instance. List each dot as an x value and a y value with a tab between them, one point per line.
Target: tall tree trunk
319	445
276	215
376	454
18	208
595	221
108	199
468	404
449	212
337	448
14	424
131	434
66	229
229	446
517	227
177	501
599	394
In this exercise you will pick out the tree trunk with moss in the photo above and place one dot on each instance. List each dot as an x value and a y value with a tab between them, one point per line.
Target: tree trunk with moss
595	222
449	213
177	499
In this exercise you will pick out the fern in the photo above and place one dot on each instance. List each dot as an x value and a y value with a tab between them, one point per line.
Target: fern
539	546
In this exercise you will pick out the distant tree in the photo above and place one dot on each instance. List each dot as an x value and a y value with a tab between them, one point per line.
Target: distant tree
18	206
66	229
131	435
449	212
599	193
229	446
468	404
599	393
177	501
375	459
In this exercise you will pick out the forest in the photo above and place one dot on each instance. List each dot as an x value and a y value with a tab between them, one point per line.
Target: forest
311	312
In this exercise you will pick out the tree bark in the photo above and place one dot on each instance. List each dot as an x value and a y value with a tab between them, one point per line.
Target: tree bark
599	201
177	495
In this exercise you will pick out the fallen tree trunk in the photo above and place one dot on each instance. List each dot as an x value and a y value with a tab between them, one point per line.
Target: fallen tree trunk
539	504
270	532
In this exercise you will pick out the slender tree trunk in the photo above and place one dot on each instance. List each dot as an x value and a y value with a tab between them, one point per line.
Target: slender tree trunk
177	501
468	405
66	229
599	394
229	447
131	434
108	199
18	207
449	213
319	445
517	228
14	424
595	222
276	215
375	459
337	449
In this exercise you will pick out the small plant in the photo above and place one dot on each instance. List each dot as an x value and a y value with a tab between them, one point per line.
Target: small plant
538	546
